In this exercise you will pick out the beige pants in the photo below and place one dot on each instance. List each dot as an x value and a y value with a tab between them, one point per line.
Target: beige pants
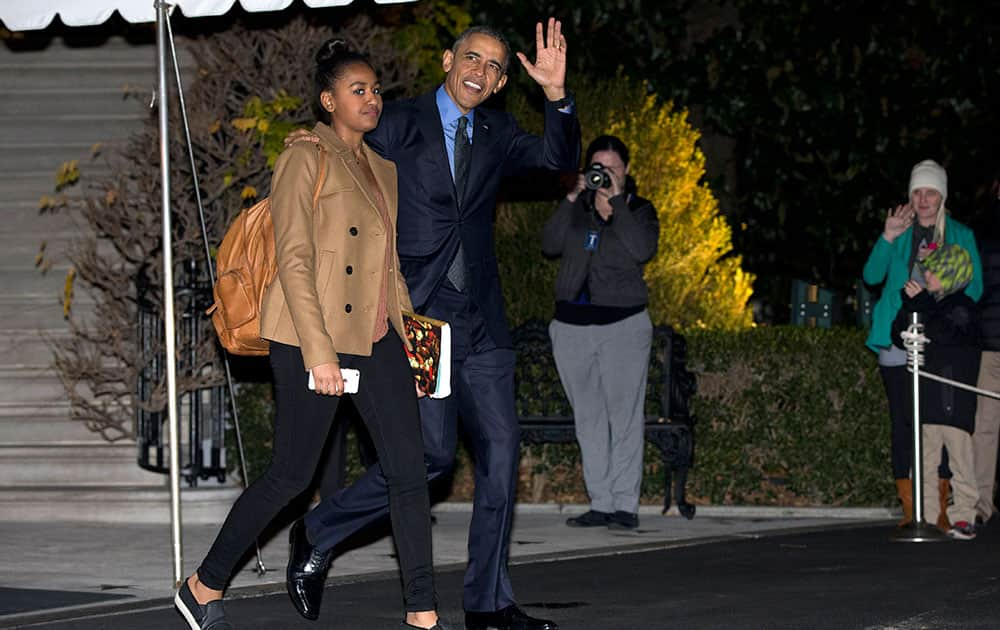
984	440
963	480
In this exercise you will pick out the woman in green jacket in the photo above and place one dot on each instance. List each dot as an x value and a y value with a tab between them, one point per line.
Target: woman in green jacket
911	232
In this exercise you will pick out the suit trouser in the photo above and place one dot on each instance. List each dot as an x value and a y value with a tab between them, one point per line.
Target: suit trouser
387	403
984	439
958	444
483	394
603	370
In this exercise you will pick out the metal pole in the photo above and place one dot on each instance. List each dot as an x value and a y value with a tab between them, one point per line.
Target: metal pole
918	452
173	430
918	530
261	569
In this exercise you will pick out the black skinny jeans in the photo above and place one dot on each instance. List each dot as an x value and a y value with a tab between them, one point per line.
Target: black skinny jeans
387	402
899	390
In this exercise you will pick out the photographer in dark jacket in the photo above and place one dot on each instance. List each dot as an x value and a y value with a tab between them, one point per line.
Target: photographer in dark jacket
984	440
601	333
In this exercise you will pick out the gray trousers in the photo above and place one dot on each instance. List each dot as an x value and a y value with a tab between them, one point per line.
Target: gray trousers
603	370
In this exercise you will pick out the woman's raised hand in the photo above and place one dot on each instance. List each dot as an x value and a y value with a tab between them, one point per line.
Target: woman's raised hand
897	221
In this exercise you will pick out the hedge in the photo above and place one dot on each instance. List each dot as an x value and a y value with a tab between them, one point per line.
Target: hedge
785	416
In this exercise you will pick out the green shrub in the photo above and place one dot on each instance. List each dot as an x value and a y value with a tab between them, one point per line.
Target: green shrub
790	416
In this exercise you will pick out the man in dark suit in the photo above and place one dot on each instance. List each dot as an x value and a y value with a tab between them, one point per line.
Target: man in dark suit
451	155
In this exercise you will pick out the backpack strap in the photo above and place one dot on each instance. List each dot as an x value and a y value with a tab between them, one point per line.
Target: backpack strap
321	178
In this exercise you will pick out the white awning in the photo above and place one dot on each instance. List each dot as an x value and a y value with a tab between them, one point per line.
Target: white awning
28	15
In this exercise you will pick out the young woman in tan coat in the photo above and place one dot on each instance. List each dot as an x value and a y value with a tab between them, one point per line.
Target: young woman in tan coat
336	303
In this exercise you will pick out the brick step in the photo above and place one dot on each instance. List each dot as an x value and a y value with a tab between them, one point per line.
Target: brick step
24	217
29	196
47	157
34	284
30	385
128	504
29	347
41	177
73	464
25	72
42	426
19	313
20	250
34	102
69	127
31	186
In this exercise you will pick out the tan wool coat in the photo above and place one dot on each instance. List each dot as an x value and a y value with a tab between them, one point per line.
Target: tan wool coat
330	260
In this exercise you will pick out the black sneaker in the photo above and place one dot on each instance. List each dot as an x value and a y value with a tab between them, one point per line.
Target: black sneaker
211	616
590	518
623	520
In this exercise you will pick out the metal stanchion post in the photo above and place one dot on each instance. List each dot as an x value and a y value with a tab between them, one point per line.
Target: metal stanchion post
918	530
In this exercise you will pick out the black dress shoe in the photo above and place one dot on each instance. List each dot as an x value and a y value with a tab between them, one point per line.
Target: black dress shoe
509	618
210	616
306	573
623	520
590	518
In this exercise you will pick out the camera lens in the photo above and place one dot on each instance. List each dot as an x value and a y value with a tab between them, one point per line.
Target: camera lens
596	177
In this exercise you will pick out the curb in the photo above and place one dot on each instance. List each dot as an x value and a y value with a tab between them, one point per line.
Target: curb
721	511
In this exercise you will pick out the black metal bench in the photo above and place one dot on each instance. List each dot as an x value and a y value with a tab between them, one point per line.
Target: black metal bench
545	414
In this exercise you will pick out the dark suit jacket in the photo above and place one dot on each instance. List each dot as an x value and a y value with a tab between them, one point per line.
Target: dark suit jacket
430	223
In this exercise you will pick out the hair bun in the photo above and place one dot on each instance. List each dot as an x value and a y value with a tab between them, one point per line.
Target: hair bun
330	50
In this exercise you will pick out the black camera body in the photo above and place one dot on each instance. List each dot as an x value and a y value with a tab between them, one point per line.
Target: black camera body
596	176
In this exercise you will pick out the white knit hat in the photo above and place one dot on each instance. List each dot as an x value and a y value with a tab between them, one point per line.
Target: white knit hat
929	174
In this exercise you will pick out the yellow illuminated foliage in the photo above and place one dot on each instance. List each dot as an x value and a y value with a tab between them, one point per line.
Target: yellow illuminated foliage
695	280
67	300
67	174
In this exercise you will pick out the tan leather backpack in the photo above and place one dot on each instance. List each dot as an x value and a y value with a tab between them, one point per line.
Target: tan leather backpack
246	266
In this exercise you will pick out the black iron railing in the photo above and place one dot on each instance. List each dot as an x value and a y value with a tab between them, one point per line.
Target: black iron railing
203	413
545	414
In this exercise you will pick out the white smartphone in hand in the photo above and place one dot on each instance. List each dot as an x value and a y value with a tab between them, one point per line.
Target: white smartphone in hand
351	378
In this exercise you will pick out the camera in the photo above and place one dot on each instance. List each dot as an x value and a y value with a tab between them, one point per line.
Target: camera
596	176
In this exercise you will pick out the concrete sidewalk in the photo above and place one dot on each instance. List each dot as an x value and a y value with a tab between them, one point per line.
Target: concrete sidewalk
76	566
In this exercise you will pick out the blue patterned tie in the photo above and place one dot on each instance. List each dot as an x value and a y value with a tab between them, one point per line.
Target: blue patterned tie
457	273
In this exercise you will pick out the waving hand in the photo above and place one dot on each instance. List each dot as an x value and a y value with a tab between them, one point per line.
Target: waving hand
549	68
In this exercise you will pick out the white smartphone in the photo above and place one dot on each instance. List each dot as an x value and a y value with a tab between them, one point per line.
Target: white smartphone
351	378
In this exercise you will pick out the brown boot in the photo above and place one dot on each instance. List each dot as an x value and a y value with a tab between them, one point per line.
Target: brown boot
904	488
944	492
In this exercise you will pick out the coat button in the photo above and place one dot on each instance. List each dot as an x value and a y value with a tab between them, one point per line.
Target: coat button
353	231
348	308
349	270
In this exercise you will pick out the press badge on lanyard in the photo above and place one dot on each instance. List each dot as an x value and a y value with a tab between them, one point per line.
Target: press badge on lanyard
590	243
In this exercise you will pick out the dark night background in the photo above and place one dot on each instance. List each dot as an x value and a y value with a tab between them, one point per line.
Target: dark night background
811	113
